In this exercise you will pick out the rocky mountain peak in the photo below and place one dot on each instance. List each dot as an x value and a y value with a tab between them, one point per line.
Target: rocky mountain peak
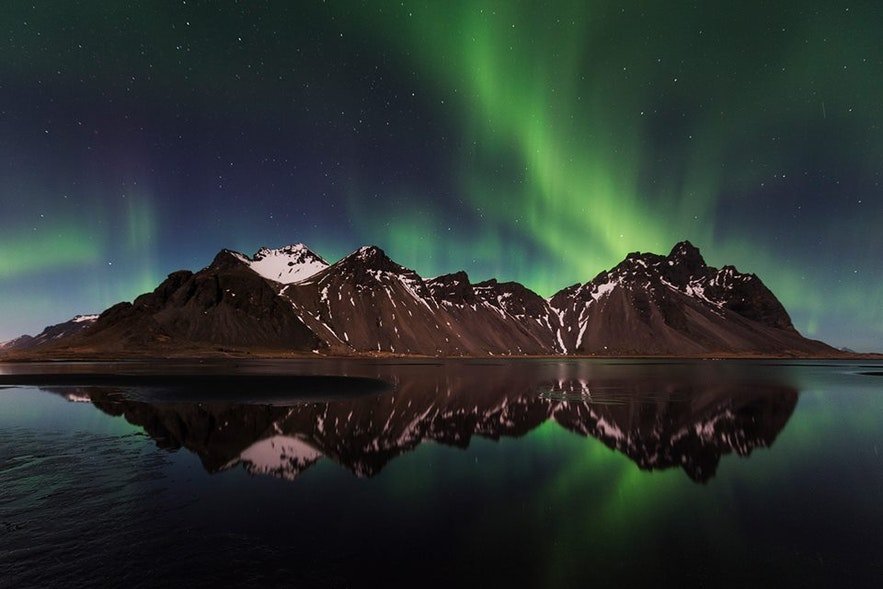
496	285
453	287
371	252
515	298
687	254
371	257
228	259
452	278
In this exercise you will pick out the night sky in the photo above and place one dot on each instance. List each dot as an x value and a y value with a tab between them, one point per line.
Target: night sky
538	142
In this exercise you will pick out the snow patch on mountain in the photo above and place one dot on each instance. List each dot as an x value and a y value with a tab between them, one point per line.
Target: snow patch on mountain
605	289
279	455
286	265
84	318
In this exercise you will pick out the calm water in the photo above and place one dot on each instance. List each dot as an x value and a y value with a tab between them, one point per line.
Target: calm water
495	474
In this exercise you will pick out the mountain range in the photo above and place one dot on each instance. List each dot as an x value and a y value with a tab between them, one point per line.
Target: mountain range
290	300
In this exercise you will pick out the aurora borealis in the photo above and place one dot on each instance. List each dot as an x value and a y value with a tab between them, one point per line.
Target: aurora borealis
538	142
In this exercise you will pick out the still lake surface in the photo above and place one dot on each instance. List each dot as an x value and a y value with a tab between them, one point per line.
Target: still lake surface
518	473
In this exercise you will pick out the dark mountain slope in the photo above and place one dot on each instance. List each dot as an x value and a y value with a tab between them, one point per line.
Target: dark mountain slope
366	302
677	305
225	304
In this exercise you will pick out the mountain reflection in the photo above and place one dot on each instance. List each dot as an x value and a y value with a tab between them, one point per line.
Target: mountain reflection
659	419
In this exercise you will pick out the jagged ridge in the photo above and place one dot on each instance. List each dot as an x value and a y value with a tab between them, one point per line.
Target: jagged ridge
290	299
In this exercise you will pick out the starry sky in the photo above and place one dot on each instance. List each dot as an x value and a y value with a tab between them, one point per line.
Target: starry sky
531	141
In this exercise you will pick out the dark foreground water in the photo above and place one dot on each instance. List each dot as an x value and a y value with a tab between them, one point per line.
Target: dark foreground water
452	474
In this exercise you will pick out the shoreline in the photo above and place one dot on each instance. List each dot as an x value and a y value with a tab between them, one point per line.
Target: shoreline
233	355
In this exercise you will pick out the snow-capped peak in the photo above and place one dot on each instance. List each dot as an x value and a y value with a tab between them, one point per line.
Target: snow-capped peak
367	252
288	264
295	250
